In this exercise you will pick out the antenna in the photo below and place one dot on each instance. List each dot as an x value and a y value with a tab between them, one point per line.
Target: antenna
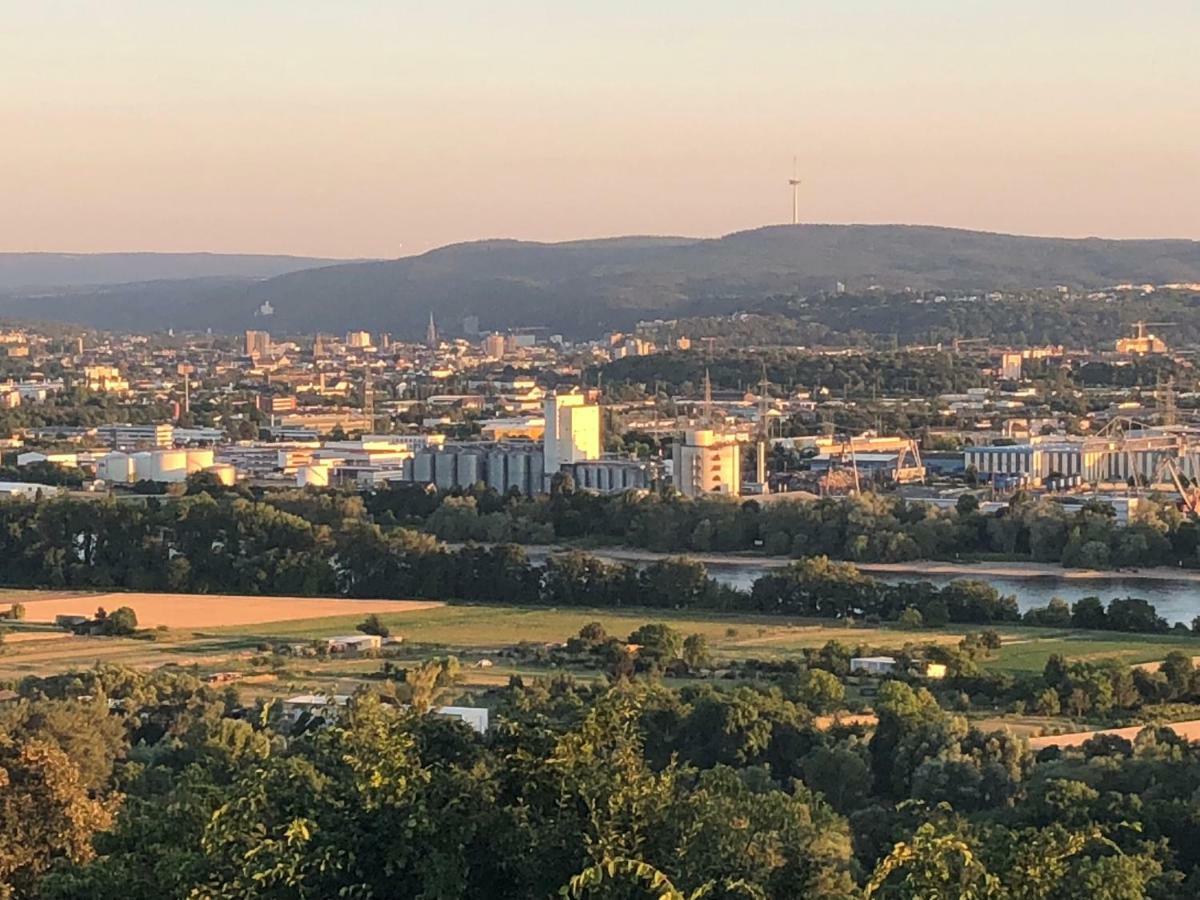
708	405
764	434
368	396
794	181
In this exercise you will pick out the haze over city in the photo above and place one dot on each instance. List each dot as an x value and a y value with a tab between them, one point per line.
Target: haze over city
384	129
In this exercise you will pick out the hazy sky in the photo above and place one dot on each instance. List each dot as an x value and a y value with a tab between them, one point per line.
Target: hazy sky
355	128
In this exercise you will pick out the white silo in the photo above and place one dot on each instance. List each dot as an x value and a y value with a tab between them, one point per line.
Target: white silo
168	465
198	459
142	466
115	468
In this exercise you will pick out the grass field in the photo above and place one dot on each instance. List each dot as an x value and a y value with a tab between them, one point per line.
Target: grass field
219	633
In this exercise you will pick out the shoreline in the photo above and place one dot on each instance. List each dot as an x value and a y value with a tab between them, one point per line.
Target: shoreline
1031	570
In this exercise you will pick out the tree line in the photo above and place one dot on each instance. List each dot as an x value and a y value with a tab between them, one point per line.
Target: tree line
326	545
123	785
869	528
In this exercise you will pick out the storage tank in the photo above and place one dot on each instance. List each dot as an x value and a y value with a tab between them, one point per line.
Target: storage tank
470	468
445	467
225	473
115	467
142	466
315	475
423	466
168	465
199	459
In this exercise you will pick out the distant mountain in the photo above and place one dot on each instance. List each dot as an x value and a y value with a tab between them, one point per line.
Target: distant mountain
582	287
31	271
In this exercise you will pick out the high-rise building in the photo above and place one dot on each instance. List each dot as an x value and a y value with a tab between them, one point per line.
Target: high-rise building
1010	366
493	346
358	339
431	335
707	462
258	343
572	431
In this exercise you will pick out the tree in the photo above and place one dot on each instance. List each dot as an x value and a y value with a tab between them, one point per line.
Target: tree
934	865
657	642
1088	612
695	651
372	624
121	621
47	812
911	619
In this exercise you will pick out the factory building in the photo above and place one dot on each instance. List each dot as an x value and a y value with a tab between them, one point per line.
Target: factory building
614	476
572	432
707	462
134	437
1095	460
502	467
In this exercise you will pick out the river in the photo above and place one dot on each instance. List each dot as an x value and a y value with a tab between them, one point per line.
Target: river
1176	601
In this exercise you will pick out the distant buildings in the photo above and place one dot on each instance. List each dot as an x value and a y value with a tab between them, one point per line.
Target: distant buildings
104	379
258	344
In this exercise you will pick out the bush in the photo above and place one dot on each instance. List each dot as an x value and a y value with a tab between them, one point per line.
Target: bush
372	624
122	621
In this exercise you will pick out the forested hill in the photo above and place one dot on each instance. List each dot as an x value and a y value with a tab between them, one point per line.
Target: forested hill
583	287
28	272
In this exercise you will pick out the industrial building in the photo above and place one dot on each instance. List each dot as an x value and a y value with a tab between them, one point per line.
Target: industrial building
572	431
165	466
136	437
615	476
705	461
1140	454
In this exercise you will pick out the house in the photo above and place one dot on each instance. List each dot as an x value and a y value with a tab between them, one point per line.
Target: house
353	643
886	665
475	717
873	665
313	704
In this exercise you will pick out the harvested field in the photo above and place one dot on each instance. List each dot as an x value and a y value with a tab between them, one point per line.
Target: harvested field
1188	730
213	610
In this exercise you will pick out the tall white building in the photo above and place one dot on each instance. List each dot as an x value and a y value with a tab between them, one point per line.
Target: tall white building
572	431
707	462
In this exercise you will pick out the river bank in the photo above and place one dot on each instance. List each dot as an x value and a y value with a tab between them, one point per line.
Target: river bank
917	568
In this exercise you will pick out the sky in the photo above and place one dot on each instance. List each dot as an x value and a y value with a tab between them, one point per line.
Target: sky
354	128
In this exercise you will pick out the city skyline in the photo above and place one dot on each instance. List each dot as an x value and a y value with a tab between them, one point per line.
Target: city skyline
382	130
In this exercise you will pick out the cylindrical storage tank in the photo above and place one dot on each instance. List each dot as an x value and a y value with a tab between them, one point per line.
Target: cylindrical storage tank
316	475
115	467
225	473
169	465
469	469
143	466
199	459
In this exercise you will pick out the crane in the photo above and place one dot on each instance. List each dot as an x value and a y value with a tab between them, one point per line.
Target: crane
1189	499
1140	326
